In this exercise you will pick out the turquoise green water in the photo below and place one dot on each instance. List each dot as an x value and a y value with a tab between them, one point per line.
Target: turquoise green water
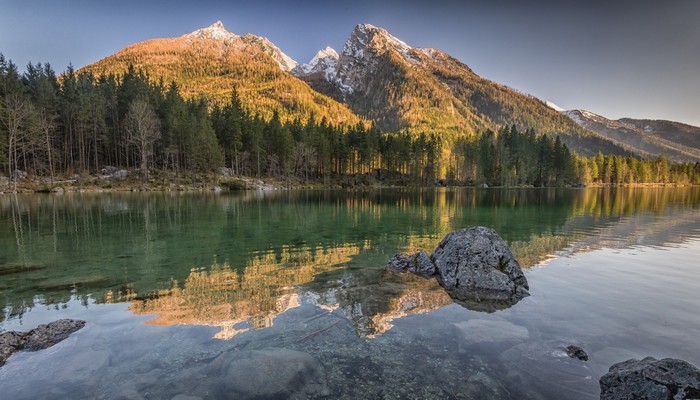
169	282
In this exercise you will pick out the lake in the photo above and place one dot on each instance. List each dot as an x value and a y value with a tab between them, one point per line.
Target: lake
284	293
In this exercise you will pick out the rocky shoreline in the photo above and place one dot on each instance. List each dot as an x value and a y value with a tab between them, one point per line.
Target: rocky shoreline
112	179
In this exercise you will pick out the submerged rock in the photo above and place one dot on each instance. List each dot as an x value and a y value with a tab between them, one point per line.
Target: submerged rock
15	268
266	374
475	266
41	337
548	371
479	331
651	379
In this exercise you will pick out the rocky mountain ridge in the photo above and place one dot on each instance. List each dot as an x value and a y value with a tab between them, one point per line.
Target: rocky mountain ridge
385	80
646	138
381	79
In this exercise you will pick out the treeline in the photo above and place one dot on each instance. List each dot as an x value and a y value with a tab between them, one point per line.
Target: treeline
79	123
610	169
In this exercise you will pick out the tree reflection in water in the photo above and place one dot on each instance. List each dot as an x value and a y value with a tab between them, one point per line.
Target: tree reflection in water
226	297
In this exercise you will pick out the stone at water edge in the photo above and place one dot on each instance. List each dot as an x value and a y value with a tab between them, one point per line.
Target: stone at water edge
419	263
476	264
41	337
45	336
651	379
10	342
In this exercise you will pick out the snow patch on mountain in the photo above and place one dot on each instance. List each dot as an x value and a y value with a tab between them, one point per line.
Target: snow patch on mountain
589	114
215	31
430	52
574	115
554	106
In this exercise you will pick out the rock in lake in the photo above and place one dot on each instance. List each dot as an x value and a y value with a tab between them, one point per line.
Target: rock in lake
475	266
651	379
419	263
41	337
576	352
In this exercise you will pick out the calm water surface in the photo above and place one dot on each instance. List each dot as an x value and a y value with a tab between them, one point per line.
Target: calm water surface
223	296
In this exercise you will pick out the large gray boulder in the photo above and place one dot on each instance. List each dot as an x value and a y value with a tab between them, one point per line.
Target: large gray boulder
41	337
651	379
475	266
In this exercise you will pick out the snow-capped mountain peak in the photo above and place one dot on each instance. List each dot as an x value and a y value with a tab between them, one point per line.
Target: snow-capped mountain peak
324	61
366	36
218	32
215	31
325	53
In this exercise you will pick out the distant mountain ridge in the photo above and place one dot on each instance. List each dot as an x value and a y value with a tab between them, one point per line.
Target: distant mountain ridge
646	138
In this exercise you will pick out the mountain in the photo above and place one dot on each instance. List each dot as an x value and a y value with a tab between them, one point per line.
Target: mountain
647	138
385	80
324	62
210	61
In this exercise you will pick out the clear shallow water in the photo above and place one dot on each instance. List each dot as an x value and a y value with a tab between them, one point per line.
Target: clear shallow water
172	286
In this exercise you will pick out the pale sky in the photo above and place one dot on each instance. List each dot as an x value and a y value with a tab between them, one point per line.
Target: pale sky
631	58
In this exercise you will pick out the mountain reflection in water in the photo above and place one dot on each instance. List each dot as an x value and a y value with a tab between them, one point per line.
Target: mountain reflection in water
283	249
223	296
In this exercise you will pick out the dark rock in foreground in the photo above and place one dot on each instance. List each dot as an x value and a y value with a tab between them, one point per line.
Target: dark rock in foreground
475	266
41	337
651	379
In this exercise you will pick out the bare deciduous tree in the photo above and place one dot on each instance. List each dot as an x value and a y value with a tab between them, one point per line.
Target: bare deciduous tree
46	125
15	112
143	129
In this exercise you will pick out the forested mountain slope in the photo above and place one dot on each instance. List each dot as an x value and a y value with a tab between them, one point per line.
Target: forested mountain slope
209	62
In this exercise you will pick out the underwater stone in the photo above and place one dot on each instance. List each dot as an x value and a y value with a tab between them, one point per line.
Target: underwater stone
266	374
